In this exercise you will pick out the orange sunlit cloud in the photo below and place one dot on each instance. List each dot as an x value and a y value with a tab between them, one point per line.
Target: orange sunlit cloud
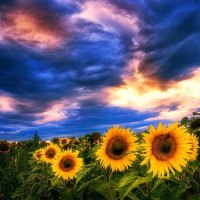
138	95
26	28
6	103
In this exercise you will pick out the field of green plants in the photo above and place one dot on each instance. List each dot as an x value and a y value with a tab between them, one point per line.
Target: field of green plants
162	163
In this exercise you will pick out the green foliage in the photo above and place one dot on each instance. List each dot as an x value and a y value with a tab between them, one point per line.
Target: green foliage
23	178
37	182
14	163
94	137
129	182
55	140
184	121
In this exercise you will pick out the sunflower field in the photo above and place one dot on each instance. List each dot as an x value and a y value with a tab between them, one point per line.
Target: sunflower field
161	163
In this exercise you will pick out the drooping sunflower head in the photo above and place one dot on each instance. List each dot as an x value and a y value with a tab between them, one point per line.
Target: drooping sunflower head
13	145
50	153
77	142
166	149
67	165
4	147
195	147
117	149
38	154
195	123
72	140
64	141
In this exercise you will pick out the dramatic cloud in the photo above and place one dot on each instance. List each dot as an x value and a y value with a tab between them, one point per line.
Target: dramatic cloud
6	103
56	112
183	96
33	23
72	67
172	36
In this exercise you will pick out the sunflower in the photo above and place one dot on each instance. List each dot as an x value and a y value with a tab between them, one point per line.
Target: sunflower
117	149
64	141
4	147
195	146
166	149
50	153
38	154
195	123
67	164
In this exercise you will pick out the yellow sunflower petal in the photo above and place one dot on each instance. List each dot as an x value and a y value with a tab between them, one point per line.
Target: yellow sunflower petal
67	165
195	147
117	149
50	153
167	149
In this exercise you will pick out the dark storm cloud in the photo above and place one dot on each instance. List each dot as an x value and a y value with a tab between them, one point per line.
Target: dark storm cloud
20	74
47	76
173	36
136	6
37	24
51	9
74	59
93	58
171	30
84	61
16	119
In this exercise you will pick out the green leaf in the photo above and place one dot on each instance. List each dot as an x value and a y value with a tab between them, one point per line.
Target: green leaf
184	120
157	183
126	186
92	151
66	195
84	185
127	179
36	168
84	171
29	198
132	196
194	197
181	186
189	170
107	190
181	189
55	181
30	178
18	193
34	189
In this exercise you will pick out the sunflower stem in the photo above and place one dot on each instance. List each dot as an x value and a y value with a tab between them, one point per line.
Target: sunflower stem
65	184
149	190
108	176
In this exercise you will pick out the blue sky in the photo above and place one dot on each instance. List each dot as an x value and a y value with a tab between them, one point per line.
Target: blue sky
70	67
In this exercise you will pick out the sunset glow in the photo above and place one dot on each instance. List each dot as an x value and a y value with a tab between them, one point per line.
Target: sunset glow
27	29
6	104
184	94
82	66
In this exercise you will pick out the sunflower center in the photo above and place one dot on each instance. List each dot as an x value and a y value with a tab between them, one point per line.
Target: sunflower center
66	164
50	153
164	147
116	148
63	141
